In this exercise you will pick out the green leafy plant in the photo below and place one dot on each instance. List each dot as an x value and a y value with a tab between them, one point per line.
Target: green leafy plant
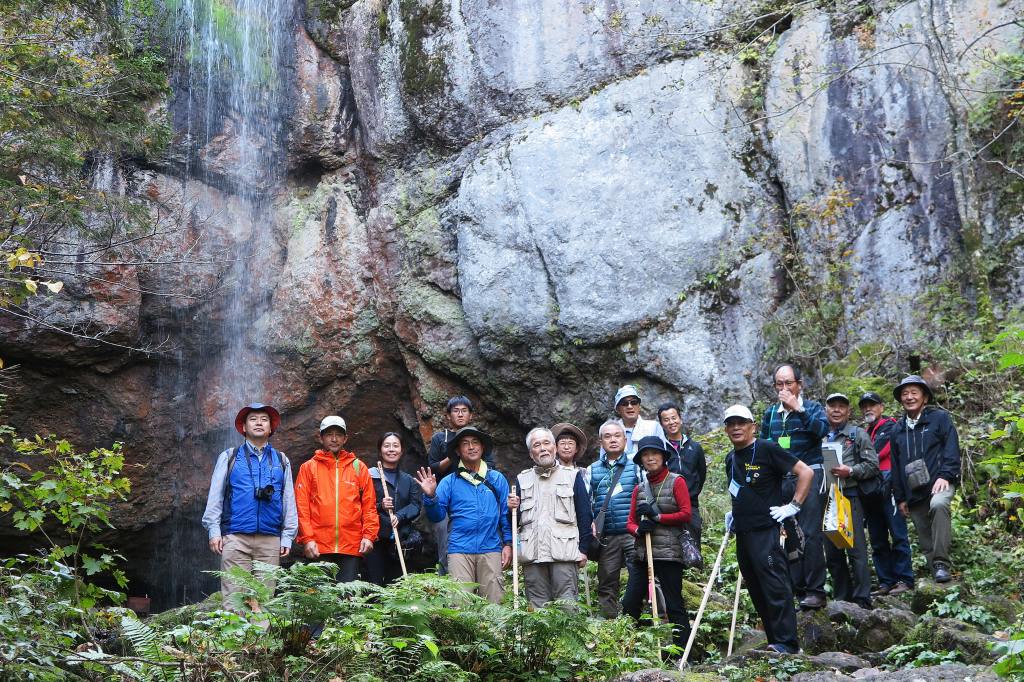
918	655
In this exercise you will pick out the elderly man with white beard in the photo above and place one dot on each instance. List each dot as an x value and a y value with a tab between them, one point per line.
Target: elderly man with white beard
554	522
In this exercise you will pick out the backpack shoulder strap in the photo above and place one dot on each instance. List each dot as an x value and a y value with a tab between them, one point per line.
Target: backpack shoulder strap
227	471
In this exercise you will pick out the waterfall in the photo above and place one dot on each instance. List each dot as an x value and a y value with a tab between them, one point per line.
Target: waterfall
231	68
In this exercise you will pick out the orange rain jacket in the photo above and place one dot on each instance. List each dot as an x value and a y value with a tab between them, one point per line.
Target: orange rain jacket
336	503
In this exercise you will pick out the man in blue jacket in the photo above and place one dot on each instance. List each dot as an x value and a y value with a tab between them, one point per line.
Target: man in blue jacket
926	471
475	498
250	510
612	479
797	426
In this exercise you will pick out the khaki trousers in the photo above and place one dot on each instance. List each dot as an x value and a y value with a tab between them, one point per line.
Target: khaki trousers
551	581
243	550
482	569
616	554
934	526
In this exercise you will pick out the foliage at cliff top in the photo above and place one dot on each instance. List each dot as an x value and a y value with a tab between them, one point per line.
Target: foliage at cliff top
77	80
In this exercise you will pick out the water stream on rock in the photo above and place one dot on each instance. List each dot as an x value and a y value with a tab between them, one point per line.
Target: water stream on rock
228	102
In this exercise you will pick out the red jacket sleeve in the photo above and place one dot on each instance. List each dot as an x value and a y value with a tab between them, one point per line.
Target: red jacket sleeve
682	495
631	523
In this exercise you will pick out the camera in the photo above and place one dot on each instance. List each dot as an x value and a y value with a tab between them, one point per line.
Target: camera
264	494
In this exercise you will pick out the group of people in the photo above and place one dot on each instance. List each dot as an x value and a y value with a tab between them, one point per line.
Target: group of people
640	495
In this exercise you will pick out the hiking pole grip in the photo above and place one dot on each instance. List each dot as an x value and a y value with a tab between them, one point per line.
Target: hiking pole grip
391	515
704	601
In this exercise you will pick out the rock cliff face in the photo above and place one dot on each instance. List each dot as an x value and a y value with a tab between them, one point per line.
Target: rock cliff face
526	202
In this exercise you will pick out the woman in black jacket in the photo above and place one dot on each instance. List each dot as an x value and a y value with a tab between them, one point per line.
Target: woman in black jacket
686	458
382	566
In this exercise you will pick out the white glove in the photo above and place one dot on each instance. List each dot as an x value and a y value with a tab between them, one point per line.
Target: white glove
782	513
728	522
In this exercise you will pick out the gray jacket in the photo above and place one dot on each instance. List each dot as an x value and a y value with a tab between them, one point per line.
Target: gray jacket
858	454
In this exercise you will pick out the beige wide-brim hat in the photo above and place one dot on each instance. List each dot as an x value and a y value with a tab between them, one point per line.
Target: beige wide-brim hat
581	439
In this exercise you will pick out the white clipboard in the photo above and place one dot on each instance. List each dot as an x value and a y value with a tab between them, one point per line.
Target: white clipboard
832	456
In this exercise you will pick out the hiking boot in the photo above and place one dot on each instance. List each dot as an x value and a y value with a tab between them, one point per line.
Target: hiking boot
942	574
882	590
899	588
812	601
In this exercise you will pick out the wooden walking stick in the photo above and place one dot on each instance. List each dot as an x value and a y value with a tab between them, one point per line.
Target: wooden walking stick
391	515
515	551
704	601
735	609
651	590
586	585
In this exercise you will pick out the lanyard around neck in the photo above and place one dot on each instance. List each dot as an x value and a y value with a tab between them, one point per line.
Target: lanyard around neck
753	458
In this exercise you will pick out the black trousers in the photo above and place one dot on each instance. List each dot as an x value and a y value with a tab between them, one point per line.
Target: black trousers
381	566
808	572
851	576
348	566
766	575
670	577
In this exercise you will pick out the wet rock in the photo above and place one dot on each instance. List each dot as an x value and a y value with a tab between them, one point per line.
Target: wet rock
322	131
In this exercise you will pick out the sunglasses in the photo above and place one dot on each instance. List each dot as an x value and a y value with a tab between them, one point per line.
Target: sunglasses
629	402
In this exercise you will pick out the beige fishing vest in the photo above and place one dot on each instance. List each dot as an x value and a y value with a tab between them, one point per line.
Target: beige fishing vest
547	517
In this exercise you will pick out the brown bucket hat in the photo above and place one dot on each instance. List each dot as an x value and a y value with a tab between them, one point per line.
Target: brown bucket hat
576	432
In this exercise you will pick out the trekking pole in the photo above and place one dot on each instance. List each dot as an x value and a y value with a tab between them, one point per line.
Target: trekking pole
515	551
704	601
391	515
586	585
735	609
652	592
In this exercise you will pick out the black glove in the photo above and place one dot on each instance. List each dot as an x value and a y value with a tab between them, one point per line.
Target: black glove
646	526
645	509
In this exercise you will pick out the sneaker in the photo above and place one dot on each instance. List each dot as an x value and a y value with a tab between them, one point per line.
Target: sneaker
942	574
899	588
883	590
778	648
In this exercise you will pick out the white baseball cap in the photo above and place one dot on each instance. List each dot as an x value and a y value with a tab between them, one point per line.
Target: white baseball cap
627	391
738	411
333	420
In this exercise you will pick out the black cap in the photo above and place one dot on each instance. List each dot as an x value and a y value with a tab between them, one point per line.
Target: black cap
453	444
650	443
870	397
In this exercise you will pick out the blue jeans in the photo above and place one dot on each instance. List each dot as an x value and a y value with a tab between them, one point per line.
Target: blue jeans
884	521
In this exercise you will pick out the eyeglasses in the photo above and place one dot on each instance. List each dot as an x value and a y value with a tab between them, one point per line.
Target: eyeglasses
786	384
629	402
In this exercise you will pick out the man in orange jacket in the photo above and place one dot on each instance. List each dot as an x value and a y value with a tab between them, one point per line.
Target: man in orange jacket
336	503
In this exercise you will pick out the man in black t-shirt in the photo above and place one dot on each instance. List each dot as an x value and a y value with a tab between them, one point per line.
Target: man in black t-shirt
459	411
755	470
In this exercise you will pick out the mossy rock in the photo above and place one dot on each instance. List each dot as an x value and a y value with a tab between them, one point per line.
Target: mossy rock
925	594
693	593
816	632
883	628
184	615
946	634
